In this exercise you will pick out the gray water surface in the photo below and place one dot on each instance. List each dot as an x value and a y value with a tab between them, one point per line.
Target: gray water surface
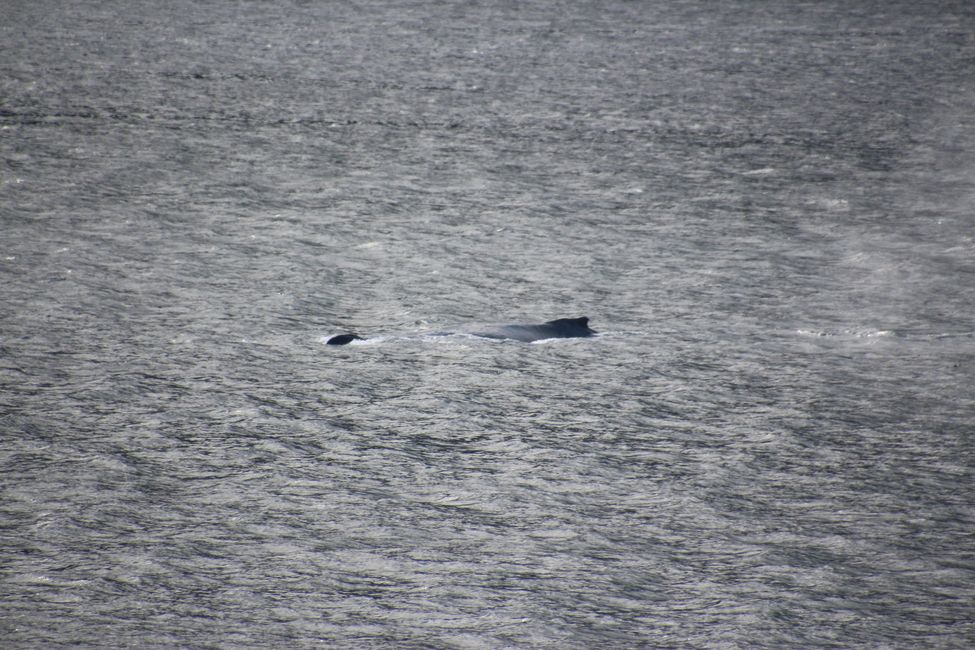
767	209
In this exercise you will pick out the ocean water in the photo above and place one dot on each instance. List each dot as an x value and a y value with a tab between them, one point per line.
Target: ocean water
767	209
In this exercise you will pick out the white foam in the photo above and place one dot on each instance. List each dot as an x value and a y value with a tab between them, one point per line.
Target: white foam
846	333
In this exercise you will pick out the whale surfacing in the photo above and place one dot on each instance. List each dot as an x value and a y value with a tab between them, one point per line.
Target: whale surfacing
560	328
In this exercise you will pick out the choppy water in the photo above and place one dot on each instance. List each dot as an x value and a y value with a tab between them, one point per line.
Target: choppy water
766	208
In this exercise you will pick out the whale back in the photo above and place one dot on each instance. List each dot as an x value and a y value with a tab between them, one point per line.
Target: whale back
561	328
572	326
343	339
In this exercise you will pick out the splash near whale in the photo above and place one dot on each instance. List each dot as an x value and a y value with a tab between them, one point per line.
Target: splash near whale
561	328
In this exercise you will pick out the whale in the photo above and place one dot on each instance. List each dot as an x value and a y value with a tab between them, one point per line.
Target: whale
560	328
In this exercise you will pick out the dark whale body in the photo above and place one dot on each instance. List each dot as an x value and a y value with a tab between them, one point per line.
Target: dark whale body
561	328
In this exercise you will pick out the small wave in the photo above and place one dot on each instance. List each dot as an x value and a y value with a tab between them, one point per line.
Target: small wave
847	333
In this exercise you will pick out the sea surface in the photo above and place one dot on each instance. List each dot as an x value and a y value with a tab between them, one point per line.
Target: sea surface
766	208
